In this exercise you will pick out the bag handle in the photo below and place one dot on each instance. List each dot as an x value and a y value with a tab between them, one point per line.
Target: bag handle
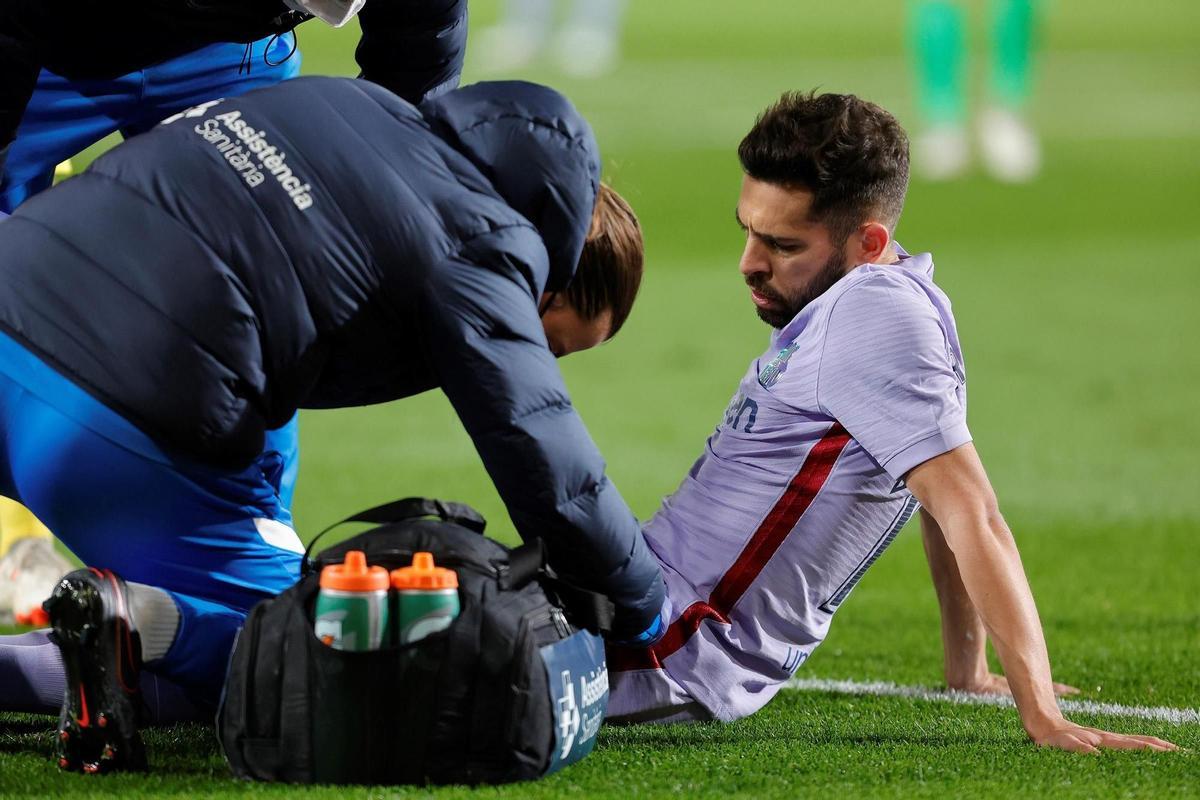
526	562
417	507
400	510
585	608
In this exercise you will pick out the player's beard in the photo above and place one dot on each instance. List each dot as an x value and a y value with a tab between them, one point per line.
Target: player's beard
787	308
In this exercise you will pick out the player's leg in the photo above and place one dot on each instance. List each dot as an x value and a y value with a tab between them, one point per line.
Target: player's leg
937	46
639	696
641	691
33	681
219	70
216	541
1010	148
62	118
198	547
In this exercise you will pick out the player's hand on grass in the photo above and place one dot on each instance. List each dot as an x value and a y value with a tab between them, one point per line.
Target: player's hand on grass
1066	735
991	683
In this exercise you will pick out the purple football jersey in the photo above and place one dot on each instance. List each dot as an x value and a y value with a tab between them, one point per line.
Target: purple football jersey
798	491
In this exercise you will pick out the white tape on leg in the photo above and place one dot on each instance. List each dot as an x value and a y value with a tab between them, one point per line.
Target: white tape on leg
276	534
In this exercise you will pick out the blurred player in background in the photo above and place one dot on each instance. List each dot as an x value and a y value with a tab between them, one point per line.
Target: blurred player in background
29	565
587	44
853	418
937	35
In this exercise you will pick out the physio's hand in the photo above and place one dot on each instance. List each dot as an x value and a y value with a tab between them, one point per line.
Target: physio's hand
1066	735
647	638
991	683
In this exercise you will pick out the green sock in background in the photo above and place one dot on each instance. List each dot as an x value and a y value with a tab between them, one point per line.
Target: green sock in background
937	44
1012	49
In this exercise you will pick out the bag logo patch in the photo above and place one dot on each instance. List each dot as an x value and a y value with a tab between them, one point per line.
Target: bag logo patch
578	678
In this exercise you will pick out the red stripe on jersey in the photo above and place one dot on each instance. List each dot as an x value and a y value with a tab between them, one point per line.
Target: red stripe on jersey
779	522
629	658
774	529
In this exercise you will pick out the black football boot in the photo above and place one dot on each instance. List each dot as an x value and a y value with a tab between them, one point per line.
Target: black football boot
102	654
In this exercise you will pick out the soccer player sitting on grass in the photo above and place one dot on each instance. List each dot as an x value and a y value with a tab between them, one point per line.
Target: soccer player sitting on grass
854	415
321	243
852	419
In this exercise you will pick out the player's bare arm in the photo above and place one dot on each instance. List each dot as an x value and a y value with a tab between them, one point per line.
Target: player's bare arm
964	638
955	490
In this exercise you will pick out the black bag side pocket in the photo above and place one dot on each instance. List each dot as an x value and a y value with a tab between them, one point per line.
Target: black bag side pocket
294	676
235	730
448	759
371	711
256	721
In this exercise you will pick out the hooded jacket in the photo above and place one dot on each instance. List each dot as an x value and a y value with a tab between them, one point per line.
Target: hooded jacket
323	243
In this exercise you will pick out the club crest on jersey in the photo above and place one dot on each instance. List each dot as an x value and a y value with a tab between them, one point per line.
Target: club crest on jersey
776	366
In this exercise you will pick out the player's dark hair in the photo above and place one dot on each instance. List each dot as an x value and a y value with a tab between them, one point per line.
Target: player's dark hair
610	268
850	154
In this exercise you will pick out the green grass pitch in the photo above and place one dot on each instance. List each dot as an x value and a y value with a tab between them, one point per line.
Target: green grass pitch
1076	301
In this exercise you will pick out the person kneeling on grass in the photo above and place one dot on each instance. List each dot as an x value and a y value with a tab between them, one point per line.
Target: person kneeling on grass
317	244
852	419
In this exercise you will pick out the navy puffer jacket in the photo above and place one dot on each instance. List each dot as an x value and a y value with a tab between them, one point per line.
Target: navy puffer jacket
323	243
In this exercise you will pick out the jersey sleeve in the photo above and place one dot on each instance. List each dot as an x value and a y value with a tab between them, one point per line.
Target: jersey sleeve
887	374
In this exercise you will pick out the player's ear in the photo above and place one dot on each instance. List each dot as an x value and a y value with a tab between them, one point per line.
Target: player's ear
869	243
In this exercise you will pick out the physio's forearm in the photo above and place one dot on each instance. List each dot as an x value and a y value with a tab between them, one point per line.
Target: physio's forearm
964	639
995	581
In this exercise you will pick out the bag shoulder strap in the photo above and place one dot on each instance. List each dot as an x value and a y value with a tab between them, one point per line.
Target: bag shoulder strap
417	507
585	609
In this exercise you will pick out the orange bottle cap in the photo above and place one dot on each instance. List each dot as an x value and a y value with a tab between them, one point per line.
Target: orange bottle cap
424	575
354	575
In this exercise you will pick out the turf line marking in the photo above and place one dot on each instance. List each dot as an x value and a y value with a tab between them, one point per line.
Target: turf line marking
1175	716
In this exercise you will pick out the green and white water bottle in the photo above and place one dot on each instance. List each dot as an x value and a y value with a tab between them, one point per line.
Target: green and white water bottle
426	598
352	606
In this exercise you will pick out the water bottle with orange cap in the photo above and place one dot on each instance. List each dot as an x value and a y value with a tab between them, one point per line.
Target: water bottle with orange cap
352	606
426	598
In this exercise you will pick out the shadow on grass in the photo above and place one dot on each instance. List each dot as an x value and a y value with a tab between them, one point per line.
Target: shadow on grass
25	734
189	749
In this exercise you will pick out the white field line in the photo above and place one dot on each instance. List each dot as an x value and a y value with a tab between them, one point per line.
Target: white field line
1175	716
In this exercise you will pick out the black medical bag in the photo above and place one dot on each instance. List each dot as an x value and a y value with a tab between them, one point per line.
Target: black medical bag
514	689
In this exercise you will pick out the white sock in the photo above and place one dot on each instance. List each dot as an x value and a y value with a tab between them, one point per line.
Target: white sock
156	618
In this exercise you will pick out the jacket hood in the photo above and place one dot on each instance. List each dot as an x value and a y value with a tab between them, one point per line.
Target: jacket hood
538	153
